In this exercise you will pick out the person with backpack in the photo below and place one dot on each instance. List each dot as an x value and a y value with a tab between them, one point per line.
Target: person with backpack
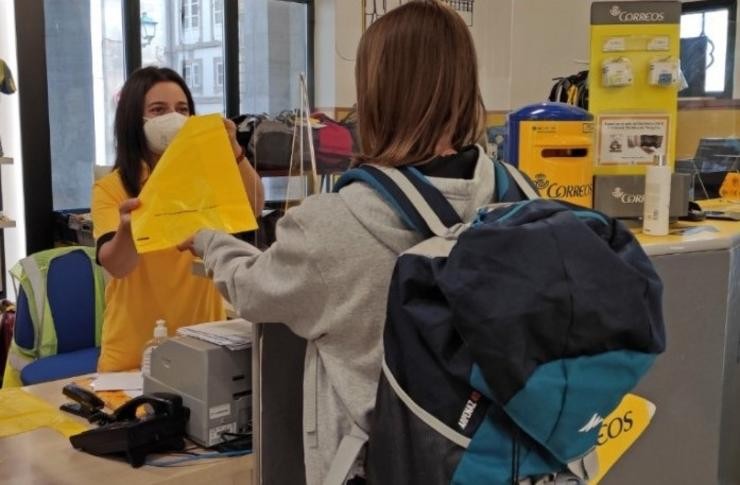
328	272
154	104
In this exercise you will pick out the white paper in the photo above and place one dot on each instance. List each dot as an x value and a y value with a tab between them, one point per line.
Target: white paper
233	334
118	381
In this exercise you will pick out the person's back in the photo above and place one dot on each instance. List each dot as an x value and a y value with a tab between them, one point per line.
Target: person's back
327	274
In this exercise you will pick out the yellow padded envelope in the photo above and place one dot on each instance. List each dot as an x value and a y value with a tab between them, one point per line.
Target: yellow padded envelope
195	185
21	412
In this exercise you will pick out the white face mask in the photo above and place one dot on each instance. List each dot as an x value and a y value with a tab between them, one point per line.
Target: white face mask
161	130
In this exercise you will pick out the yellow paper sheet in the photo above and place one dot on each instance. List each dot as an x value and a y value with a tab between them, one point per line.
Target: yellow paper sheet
195	185
620	430
21	412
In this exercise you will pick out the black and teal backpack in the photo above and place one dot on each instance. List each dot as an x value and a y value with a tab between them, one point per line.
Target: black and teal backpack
507	339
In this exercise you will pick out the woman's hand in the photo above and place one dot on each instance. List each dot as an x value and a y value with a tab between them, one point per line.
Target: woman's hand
125	209
251	181
187	245
231	130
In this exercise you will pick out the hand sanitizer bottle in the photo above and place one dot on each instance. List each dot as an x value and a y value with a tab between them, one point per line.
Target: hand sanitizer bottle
657	198
160	335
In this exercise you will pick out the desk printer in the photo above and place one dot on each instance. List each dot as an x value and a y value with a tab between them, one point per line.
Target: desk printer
214	382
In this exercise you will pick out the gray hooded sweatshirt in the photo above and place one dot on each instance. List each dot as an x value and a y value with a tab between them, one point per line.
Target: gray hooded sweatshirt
327	277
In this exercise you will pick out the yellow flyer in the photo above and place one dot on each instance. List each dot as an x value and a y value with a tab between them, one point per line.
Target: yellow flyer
21	412
620	430
195	185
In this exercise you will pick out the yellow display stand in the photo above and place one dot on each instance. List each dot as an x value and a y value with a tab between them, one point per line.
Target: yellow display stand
633	83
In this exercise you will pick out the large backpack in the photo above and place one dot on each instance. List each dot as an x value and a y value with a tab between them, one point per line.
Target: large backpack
507	339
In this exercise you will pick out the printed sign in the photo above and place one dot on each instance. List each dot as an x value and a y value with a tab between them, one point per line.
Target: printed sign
632	139
620	430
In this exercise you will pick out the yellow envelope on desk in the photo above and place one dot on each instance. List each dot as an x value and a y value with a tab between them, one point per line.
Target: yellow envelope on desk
21	412
195	185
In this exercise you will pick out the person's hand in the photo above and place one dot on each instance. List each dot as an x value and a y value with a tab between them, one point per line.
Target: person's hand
231	130
125	209
187	245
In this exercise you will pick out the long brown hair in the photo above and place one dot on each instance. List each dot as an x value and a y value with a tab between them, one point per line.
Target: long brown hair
131	147
417	85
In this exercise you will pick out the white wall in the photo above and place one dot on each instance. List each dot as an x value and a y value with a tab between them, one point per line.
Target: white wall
12	183
547	38
522	45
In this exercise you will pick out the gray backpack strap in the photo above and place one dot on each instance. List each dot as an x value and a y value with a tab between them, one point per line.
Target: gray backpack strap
585	467
412	193
521	182
344	460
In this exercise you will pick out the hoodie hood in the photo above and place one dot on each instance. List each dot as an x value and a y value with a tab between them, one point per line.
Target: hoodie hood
374	213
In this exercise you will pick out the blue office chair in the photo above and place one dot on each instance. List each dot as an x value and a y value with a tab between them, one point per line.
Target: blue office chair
58	315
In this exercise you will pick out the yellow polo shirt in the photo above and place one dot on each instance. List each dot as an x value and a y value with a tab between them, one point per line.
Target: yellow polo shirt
161	286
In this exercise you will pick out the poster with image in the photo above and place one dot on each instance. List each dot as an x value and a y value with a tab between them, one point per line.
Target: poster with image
632	139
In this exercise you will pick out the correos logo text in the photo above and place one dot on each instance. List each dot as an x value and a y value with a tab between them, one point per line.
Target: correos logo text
623	16
558	191
627	198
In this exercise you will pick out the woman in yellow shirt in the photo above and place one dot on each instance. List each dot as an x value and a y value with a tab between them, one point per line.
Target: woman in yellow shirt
154	104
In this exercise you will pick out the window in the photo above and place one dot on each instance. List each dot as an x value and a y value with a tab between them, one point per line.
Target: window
273	50
707	47
218	12
193	53
191	14
192	72
218	73
85	72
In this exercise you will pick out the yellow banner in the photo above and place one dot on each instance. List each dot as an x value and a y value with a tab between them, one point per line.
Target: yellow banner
195	185
620	430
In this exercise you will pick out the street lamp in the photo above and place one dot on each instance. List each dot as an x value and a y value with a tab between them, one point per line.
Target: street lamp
148	29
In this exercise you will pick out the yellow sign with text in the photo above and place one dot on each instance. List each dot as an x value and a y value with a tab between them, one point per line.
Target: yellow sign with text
634	72
620	430
195	185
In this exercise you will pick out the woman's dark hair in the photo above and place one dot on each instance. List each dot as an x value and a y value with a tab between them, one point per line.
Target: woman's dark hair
131	146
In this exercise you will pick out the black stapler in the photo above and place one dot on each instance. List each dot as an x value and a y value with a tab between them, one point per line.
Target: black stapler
133	437
86	404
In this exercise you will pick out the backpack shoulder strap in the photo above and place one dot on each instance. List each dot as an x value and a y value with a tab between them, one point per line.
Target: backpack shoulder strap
349	449
520	181
419	204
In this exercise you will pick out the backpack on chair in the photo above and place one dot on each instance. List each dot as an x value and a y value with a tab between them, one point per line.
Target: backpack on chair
507	339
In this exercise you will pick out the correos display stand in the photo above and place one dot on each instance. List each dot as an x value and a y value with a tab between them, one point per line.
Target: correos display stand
694	436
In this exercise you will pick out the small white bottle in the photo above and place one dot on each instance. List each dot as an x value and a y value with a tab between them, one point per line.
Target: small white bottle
160	335
657	198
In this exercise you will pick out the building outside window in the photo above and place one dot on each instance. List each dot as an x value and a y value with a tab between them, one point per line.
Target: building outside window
192	72
191	14
218	12
218	72
86	70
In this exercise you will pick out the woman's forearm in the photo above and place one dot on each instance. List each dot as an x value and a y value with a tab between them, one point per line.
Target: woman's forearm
118	256
253	185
